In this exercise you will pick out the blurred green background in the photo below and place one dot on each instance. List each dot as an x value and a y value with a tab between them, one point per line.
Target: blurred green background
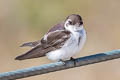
28	20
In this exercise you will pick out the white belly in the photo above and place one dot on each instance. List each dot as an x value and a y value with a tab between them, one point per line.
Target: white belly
70	48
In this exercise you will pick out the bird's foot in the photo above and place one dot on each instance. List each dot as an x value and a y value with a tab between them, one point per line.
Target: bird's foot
73	59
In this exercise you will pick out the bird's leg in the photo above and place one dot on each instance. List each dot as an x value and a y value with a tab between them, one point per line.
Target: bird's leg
61	61
73	60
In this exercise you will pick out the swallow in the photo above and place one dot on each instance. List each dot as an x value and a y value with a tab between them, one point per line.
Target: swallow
61	42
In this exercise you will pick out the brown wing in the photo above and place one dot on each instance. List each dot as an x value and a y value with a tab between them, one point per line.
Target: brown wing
59	26
54	41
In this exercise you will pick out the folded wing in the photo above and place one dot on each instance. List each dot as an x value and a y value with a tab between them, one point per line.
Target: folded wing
59	26
54	40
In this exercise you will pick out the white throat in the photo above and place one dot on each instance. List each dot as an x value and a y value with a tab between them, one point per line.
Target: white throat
73	28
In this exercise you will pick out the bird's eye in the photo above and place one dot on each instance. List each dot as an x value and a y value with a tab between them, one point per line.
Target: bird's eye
70	22
81	23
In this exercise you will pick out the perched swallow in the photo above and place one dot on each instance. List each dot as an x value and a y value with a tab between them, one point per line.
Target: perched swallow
61	42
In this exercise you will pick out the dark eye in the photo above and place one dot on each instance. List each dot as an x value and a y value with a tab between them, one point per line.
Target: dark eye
70	22
81	23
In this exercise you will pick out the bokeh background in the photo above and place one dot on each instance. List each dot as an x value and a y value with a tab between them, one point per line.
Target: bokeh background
28	20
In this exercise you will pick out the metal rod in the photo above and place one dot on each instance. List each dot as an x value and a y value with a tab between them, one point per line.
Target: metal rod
57	66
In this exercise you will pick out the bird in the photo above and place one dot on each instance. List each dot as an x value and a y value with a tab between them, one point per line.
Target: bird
62	42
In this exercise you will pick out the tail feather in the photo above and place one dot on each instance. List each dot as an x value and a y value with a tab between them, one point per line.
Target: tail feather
27	44
30	44
33	53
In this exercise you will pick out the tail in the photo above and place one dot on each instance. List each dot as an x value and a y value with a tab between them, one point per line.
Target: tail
30	44
33	53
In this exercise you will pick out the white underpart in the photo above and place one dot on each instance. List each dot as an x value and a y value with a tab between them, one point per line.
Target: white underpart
71	47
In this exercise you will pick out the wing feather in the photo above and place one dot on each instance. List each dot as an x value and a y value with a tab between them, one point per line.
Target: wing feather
54	41
59	26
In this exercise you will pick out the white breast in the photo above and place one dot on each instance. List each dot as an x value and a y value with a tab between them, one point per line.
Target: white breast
70	48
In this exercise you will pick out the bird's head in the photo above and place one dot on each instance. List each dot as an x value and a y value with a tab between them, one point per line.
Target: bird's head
74	23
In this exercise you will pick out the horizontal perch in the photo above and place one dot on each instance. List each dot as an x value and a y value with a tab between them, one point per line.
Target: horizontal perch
57	66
